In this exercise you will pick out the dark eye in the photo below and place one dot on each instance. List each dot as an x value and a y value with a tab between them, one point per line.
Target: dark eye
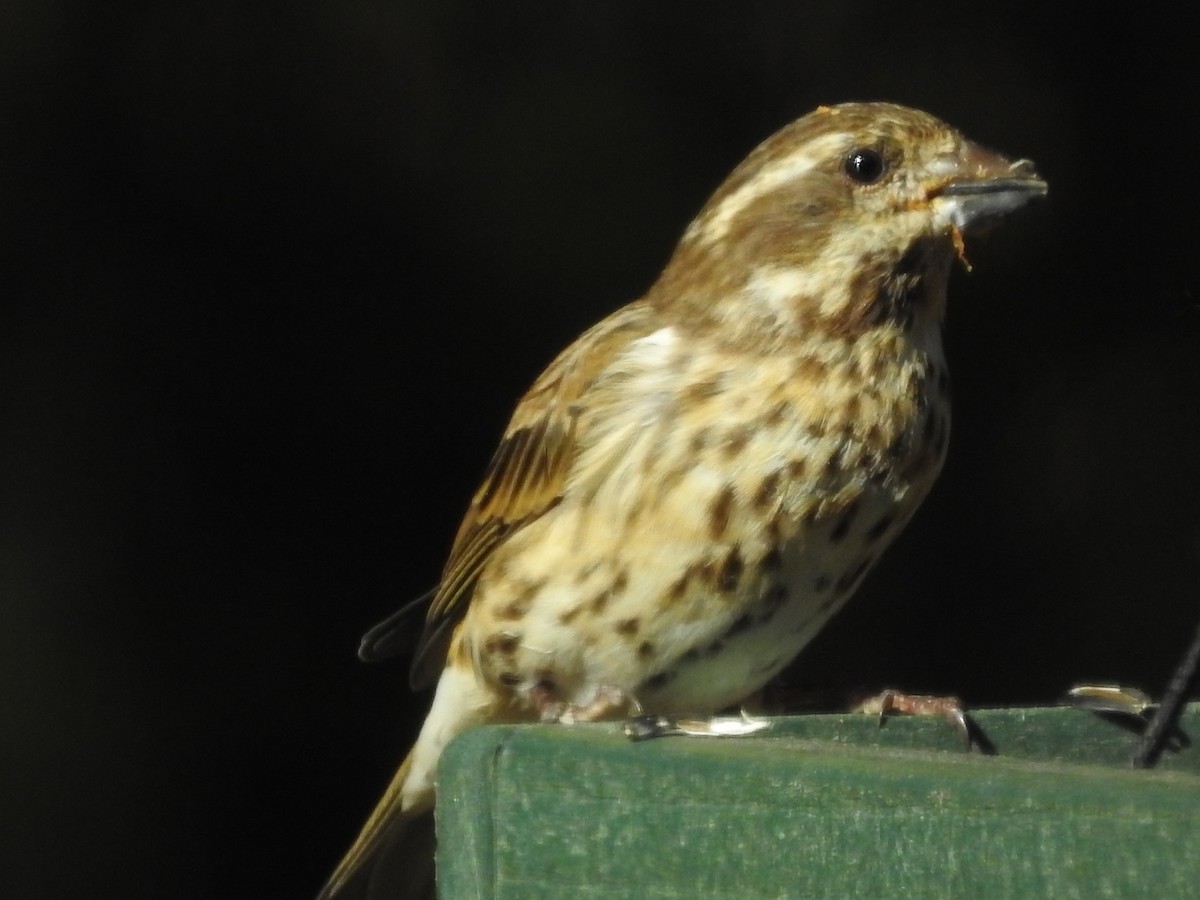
865	166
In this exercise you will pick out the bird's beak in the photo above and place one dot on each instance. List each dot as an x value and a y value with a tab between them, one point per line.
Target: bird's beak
977	185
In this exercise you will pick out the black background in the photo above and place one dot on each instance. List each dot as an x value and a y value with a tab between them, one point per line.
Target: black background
273	276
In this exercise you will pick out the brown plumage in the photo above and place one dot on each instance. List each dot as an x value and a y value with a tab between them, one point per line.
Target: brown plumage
695	485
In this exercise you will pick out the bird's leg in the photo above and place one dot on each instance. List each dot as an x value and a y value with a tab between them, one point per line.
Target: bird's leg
606	702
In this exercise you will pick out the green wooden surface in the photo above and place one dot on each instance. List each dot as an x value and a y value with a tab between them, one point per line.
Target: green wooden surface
818	806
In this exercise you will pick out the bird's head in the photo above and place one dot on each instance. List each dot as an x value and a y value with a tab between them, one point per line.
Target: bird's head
847	216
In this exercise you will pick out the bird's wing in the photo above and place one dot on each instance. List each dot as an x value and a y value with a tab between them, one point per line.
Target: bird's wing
526	475
394	635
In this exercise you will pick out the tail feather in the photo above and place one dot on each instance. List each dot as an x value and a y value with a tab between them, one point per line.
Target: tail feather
392	859
393	855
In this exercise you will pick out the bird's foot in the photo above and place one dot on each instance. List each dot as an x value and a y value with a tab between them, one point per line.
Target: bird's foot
891	702
606	702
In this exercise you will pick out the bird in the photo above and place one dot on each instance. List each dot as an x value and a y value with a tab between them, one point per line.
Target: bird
694	486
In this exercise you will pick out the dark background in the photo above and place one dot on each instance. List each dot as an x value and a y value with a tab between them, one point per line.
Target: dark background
273	276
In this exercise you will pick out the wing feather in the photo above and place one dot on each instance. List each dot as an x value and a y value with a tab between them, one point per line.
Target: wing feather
526	475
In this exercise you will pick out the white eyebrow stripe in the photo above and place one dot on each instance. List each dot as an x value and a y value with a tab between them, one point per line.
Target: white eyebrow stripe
715	225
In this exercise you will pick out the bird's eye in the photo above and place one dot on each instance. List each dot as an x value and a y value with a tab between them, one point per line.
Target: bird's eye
866	166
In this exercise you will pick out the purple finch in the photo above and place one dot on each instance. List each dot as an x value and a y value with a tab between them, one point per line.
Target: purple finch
700	481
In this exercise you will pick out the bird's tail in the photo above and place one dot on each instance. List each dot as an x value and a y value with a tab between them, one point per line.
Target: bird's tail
392	856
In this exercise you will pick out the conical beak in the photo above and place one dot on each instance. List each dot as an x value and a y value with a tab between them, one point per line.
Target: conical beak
981	185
